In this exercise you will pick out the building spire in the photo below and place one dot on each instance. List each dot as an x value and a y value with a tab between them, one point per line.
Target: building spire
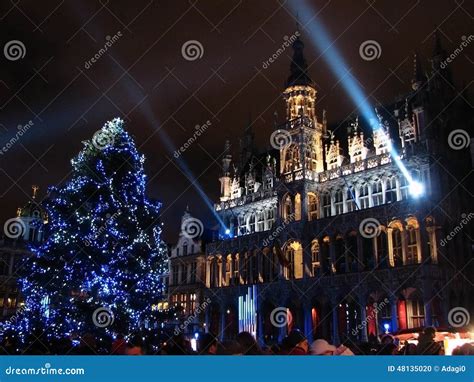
438	48
298	67
418	74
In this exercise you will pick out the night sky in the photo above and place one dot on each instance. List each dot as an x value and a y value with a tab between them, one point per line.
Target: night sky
144	78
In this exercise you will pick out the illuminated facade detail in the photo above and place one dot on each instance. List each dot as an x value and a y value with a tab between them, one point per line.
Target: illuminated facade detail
187	277
248	311
294	232
14	250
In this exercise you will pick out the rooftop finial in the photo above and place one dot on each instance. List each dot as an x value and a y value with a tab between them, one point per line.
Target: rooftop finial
35	190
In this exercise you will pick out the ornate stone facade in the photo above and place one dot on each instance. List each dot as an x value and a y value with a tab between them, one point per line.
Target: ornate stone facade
347	245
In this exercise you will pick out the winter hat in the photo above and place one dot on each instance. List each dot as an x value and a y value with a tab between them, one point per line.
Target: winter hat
320	347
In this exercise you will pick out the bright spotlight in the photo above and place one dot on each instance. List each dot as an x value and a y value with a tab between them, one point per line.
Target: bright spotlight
386	327
227	231
416	189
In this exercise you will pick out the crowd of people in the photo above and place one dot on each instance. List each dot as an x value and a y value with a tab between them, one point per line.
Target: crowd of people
295	343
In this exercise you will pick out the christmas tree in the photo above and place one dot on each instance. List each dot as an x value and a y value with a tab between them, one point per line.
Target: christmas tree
99	269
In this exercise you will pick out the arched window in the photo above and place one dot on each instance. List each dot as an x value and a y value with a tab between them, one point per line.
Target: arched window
269	218
287	208
242	225
260	221
364	196
338	199
315	261
312	206
377	197
235	269
391	190
350	199
326	201
228	267
404	188
297	207
413	255
397	247
251	223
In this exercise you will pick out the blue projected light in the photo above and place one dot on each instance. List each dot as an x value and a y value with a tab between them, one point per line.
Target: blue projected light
321	40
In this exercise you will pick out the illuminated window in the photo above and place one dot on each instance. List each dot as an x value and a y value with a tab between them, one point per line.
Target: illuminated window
397	246
315	261
412	250
312	207
364	196
338	200
418	314
350	200
260	221
326	200
251	224
391	190
377	196
404	188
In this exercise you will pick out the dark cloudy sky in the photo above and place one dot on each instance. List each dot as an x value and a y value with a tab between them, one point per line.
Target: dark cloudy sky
144	78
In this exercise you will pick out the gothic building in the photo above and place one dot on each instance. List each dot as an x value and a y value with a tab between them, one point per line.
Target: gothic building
341	236
19	232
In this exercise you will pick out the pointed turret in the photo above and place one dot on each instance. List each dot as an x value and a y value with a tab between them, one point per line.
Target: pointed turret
419	77
298	67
